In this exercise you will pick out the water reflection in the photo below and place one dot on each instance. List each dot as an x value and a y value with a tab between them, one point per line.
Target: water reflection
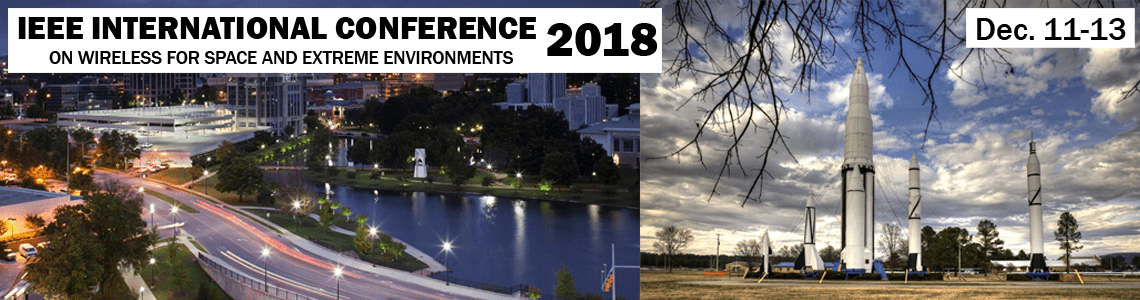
507	241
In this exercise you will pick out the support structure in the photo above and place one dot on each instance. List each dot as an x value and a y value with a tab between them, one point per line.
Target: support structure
914	237
858	173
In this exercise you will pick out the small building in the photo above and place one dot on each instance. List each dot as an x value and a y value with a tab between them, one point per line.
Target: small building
16	204
620	136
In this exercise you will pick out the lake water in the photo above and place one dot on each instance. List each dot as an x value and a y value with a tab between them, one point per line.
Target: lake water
508	241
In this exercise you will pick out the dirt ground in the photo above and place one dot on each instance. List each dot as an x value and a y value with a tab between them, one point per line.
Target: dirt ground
680	285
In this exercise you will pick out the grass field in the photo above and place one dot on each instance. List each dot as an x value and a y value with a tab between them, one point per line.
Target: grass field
310	230
184	281
166	198
664	285
589	192
174	176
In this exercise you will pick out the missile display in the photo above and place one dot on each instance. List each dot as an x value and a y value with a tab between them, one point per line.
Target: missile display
810	256
766	249
858	173
914	238
1036	236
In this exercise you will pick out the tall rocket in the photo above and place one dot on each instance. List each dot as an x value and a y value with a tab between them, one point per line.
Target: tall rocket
914	238
858	177
810	256
1036	246
766	250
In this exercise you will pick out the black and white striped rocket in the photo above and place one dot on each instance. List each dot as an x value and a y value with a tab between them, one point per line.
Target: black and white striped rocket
1036	235
914	238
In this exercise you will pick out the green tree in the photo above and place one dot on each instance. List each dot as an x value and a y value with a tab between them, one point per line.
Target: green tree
606	171
928	234
560	167
91	241
33	221
326	212
346	212
362	241
488	180
459	171
988	238
239	174
1136	262
1068	233
670	241
565	288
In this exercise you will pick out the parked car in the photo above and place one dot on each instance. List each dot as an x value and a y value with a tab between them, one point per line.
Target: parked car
27	250
9	255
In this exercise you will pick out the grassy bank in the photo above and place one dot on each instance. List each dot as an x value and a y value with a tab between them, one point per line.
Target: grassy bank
173	202
184	280
584	193
310	229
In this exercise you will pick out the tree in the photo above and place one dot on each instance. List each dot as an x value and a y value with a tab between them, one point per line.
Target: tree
892	242
239	174
560	168
790	251
565	288
988	238
91	241
749	72
750	251
1021	255
346	212
326	212
928	235
829	253
4	228
362	241
606	171
1136	262
670	241
1069	235
488	180
33	221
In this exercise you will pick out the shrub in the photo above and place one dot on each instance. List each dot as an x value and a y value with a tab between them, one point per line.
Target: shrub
351	175
374	175
488	180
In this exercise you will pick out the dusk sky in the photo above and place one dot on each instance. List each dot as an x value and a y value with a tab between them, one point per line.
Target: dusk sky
973	163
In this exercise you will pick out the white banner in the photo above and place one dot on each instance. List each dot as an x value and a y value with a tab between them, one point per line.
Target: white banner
1050	27
323	40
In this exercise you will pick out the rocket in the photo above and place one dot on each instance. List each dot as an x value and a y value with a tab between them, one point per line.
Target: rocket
1036	246
810	256
766	249
914	238
858	173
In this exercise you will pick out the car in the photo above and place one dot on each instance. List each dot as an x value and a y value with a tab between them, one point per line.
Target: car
9	255
27	250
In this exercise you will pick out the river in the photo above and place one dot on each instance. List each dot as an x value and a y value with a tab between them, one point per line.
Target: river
508	242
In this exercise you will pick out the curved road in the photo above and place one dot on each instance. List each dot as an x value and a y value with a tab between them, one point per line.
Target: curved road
238	241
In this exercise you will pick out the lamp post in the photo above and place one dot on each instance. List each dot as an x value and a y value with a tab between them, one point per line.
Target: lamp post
297	211
265	267
152	271
446	264
336	272
174	211
151	214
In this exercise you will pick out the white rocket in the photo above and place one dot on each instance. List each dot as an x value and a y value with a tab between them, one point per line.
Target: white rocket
858	177
1036	246
766	249
810	256
914	239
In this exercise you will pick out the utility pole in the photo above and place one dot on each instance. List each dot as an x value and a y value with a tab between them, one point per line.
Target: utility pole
716	266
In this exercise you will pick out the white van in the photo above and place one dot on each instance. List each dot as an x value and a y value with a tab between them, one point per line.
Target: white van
27	250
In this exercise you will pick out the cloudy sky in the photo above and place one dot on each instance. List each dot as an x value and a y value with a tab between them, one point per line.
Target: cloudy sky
973	162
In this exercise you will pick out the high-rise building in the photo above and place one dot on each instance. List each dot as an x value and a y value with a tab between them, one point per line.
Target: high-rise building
584	110
87	94
545	87
516	92
149	86
272	100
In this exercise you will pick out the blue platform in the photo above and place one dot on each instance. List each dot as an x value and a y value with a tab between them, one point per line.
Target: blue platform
1038	276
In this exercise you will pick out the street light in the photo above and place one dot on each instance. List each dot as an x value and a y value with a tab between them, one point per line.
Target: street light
265	266
152	214
446	264
174	211
297	211
152	271
336	272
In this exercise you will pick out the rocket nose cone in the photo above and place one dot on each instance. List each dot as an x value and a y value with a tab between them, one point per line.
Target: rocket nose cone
859	64
811	202
913	161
